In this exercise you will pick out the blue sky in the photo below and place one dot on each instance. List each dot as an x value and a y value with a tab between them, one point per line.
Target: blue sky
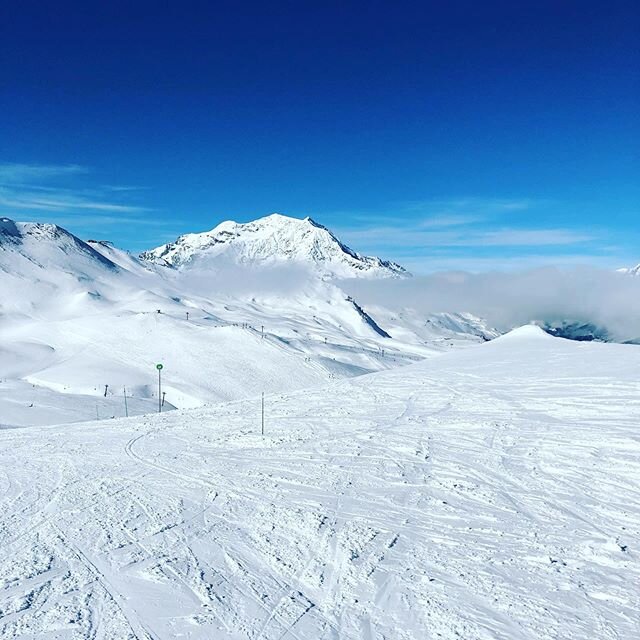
459	135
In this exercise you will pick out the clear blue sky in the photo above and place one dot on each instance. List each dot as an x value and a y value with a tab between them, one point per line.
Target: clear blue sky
440	134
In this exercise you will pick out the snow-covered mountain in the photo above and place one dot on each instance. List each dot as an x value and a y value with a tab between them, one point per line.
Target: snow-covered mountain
579	331
632	271
272	239
43	267
47	246
79	320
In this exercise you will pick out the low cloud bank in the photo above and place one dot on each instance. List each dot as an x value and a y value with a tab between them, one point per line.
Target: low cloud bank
242	281
606	299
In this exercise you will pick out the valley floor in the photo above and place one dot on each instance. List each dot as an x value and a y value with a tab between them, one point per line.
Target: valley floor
493	492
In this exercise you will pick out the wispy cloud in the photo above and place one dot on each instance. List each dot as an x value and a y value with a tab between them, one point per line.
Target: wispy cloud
483	205
16	173
32	200
524	238
59	189
95	221
439	212
422	236
124	188
458	232
450	220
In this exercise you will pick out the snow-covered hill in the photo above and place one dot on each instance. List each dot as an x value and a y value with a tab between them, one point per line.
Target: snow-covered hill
47	246
632	271
269	240
81	319
45	271
44	252
470	496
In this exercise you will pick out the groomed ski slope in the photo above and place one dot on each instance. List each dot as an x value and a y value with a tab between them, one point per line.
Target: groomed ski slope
488	493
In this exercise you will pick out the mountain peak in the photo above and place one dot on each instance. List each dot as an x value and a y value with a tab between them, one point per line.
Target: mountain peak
275	238
44	244
18	232
8	227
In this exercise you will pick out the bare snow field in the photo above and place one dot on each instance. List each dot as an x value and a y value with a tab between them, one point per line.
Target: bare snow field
491	492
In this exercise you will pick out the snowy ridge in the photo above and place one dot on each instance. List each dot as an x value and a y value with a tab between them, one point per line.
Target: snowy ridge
47	245
632	271
123	259
274	238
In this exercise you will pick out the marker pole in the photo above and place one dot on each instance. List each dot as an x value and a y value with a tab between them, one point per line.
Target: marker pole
159	368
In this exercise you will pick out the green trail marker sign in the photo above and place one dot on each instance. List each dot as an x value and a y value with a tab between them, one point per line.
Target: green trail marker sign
159	368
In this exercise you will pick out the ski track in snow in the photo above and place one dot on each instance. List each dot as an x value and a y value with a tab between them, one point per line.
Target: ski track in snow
471	496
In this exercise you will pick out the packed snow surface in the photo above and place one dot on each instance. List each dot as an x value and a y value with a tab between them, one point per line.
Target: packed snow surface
489	493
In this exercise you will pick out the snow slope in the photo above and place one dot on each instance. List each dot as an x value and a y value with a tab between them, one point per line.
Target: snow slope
78	317
273	239
40	262
490	493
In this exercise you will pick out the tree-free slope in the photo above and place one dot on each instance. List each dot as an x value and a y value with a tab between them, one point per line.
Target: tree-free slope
488	493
